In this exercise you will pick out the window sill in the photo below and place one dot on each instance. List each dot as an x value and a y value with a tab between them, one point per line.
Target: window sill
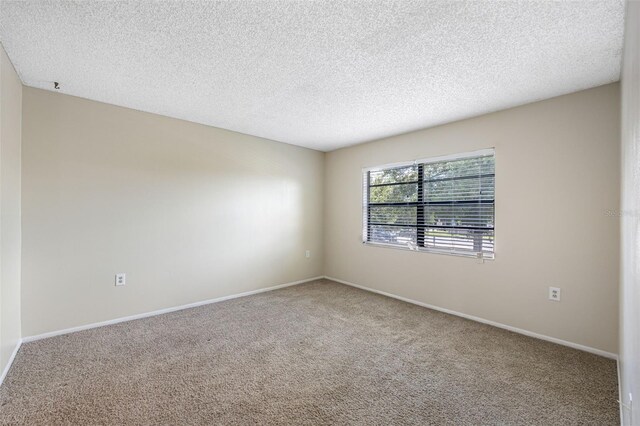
433	251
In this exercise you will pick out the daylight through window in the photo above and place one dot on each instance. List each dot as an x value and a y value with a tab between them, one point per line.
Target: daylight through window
444	204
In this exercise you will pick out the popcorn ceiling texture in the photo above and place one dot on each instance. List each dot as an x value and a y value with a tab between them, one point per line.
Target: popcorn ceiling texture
323	74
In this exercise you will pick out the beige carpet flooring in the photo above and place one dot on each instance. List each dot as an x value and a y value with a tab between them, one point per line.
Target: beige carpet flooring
313	354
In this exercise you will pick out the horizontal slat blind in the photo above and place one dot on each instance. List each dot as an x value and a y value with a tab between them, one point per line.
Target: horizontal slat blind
446	205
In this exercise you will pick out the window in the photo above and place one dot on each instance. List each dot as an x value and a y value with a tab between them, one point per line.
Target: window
444	204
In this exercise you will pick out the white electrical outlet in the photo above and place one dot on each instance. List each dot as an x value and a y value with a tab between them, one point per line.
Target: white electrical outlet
554	294
307	254
121	279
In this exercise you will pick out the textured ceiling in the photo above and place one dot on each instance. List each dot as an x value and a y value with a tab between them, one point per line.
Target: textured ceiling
320	74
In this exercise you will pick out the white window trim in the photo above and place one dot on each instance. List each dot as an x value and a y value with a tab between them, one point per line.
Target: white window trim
452	252
479	153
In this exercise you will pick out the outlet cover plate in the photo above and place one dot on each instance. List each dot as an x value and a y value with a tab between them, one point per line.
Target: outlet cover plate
121	279
554	294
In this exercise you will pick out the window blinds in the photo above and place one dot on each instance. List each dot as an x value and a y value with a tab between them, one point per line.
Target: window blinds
444	204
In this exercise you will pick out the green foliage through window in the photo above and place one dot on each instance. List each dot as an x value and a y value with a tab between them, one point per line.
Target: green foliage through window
443	205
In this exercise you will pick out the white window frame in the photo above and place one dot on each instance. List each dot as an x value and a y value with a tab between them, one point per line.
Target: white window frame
365	199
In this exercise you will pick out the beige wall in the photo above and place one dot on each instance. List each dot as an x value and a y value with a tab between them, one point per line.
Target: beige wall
557	174
10	129
630	214
188	212
191	212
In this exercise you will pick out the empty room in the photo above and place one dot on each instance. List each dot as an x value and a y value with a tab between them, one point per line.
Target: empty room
368	212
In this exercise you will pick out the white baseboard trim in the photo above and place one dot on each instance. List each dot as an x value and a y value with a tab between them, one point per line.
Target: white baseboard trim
620	403
162	311
11	358
262	290
484	321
